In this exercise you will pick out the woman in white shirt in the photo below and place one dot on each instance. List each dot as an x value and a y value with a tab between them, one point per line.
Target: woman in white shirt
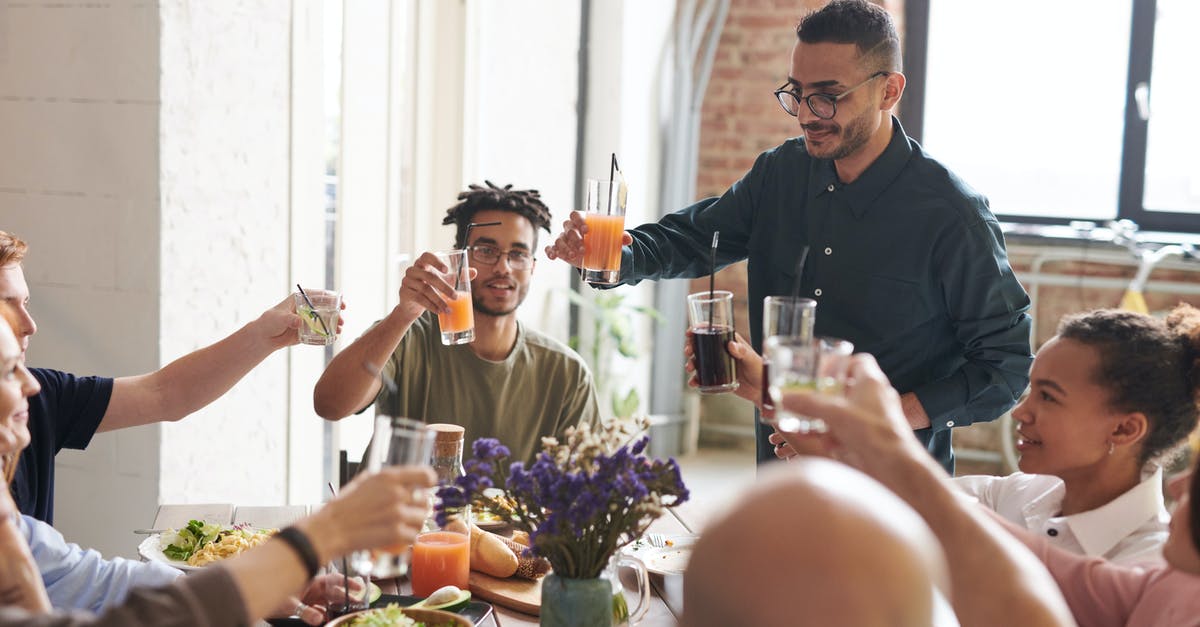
1112	396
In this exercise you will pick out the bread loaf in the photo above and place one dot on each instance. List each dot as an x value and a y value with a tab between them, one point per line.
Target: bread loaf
490	555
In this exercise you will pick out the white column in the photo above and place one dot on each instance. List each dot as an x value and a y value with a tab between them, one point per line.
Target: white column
224	145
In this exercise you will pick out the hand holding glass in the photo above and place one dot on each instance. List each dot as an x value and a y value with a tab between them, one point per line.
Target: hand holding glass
800	365
605	217
710	317
320	310
458	326
788	316
397	442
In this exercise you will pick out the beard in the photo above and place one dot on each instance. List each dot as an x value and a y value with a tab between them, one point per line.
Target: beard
482	308
854	135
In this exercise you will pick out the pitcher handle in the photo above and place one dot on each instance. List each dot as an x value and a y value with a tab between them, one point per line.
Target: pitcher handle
643	584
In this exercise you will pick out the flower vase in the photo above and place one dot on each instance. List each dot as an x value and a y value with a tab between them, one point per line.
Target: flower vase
569	602
595	602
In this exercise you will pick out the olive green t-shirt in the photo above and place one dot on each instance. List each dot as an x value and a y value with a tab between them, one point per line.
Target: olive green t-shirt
539	390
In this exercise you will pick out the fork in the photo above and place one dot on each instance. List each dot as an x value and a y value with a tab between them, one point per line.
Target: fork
656	540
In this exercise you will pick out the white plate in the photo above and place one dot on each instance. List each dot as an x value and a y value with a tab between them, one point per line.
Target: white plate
489	524
668	560
151	549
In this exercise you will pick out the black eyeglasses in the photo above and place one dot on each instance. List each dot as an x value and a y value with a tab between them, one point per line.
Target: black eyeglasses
823	106
490	255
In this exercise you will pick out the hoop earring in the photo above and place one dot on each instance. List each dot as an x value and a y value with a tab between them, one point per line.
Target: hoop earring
1111	447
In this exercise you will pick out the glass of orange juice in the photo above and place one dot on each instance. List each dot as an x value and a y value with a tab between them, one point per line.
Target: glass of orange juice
458	326
605	216
396	442
441	558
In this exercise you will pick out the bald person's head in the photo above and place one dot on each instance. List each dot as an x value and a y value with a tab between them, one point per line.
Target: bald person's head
814	542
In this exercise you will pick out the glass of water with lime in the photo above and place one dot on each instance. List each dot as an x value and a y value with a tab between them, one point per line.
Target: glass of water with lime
799	364
319	309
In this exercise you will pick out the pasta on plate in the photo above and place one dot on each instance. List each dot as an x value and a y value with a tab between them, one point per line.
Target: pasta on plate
229	544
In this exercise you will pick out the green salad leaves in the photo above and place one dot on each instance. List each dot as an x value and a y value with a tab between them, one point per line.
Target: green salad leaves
390	616
192	538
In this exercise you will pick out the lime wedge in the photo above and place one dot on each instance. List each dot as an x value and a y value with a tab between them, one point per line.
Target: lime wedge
313	320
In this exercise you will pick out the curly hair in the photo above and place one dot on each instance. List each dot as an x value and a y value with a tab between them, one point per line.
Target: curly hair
12	249
1148	365
864	24
523	202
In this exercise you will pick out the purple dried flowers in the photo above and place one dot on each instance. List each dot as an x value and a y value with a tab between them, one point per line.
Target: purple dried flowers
579	501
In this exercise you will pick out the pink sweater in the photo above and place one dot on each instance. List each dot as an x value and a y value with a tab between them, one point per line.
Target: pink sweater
1102	595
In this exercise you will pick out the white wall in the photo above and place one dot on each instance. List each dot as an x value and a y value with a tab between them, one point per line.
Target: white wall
78	170
146	161
224	148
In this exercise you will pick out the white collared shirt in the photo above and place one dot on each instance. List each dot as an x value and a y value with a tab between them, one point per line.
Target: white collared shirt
1129	530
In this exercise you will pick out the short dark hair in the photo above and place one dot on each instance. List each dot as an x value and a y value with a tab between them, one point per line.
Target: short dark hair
524	202
864	24
1148	365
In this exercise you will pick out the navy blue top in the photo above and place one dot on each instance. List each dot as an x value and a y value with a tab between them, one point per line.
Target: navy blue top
65	414
907	262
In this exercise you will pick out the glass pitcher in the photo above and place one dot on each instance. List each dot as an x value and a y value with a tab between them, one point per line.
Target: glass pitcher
621	613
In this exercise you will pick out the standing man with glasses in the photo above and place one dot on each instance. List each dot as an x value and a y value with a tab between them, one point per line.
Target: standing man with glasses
904	259
511	383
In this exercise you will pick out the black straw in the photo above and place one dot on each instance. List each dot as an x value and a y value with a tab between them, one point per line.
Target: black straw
312	311
613	170
346	571
799	272
466	241
712	271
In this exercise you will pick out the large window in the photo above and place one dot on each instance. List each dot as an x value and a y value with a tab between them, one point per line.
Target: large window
1062	111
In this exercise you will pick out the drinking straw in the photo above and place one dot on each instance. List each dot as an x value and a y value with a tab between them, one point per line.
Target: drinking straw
346	571
712	271
799	272
312	311
613	169
466	239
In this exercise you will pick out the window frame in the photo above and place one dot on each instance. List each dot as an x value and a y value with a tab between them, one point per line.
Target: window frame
1131	188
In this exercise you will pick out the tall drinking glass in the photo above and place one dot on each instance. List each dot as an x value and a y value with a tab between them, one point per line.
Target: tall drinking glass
605	216
458	326
397	442
710	318
805	365
788	316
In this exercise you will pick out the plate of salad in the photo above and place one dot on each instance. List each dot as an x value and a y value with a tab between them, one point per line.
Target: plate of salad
200	543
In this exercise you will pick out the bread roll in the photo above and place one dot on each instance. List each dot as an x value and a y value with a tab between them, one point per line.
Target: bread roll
489	554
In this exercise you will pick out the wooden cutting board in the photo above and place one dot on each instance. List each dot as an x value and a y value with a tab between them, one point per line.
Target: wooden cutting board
517	594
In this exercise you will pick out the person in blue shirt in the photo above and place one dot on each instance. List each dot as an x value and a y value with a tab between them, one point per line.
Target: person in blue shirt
904	259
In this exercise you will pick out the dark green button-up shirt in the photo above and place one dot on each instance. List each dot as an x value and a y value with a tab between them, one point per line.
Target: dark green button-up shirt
907	262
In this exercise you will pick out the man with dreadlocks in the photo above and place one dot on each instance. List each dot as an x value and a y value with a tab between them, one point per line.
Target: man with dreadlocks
512	382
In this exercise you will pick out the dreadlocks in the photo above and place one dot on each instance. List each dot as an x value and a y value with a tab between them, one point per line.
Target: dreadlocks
523	202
